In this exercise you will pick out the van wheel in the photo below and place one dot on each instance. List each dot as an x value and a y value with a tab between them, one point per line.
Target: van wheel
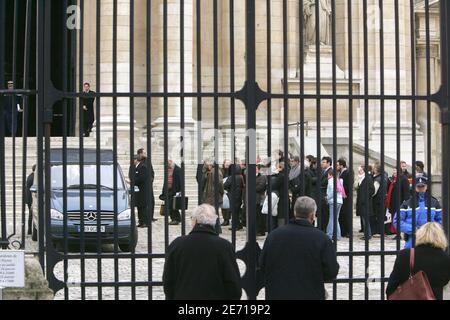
130	245
34	235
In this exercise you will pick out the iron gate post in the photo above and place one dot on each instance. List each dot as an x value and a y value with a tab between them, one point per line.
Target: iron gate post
249	96
3	240
443	99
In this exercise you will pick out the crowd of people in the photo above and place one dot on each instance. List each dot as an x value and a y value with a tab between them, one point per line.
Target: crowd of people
383	202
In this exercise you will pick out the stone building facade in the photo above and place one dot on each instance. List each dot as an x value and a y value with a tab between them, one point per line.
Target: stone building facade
411	45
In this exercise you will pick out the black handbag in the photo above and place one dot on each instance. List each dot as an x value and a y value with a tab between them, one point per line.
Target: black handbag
178	203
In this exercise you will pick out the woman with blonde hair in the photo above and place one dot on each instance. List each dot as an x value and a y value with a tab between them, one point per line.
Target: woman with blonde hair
430	257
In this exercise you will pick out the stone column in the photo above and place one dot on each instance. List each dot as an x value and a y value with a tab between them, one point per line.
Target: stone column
435	74
174	60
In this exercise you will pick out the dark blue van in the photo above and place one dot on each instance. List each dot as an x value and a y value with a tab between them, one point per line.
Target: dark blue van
126	235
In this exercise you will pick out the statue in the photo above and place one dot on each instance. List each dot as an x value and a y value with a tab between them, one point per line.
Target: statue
309	9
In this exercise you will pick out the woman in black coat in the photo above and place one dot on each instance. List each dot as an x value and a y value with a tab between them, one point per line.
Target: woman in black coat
430	257
364	209
234	187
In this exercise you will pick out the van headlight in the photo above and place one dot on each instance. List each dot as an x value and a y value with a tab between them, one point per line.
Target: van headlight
56	215
125	215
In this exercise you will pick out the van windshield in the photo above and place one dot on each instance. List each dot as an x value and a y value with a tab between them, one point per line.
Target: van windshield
89	179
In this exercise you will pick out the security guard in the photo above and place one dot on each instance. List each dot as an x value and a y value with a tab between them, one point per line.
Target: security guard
406	211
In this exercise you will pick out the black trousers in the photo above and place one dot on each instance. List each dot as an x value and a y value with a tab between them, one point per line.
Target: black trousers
226	214
142	215
345	218
175	215
260	220
30	219
88	122
324	216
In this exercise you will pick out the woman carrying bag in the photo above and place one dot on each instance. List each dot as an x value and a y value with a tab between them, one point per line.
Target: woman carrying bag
428	266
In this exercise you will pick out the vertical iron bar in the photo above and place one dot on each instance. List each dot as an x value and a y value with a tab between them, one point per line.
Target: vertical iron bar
26	85
149	139
233	118
251	106
132	144
285	200
382	140
14	79
216	112
166	115
199	99
40	66
3	242
335	156
319	201
270	224
368	198
413	115
115	140
398	110
428	77
182	122
64	155
98	145
81	153
301	68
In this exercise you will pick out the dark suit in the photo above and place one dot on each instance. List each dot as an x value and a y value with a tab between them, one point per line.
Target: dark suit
10	113
168	199
88	115
364	207
142	181
201	266
296	261
261	185
346	215
29	200
325	211
433	261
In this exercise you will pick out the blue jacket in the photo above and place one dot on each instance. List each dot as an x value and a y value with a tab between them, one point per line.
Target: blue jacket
406	214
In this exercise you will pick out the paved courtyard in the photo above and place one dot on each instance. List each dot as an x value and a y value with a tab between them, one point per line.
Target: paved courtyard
142	266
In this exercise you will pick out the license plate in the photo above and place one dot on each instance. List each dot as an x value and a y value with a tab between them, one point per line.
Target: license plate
92	229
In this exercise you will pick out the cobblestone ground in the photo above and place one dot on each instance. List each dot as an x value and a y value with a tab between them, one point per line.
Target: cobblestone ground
142	266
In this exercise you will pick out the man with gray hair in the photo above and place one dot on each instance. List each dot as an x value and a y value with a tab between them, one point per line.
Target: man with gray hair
201	265
297	259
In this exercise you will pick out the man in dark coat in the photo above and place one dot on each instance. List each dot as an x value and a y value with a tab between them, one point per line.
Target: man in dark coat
29	199
88	109
11	108
201	266
261	185
326	166
142	181
297	259
234	186
400	183
173	187
346	214
364	195
277	186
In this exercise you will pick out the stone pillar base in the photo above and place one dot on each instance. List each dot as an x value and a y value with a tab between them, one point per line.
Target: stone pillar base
36	286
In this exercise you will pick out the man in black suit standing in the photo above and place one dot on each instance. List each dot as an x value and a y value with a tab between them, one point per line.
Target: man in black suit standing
142	181
173	187
88	109
347	208
29	199
11	109
326	165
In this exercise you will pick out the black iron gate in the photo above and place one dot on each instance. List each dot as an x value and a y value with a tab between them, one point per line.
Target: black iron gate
214	89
